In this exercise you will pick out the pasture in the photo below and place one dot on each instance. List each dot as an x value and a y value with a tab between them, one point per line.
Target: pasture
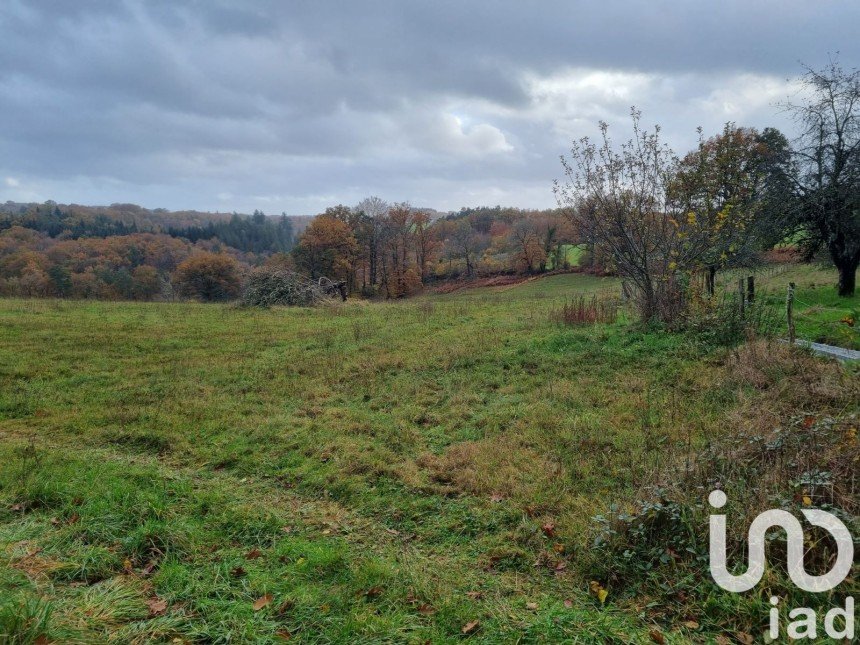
426	469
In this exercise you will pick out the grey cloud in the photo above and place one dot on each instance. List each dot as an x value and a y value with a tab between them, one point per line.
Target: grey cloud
445	103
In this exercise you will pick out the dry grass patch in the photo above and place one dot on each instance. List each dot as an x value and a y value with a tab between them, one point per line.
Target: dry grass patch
786	381
29	560
495	467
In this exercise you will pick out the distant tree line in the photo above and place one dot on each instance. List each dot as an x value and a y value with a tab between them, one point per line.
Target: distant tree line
140	266
52	220
255	234
394	250
375	248
663	222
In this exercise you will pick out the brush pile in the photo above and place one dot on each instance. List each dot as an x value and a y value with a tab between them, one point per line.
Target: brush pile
282	287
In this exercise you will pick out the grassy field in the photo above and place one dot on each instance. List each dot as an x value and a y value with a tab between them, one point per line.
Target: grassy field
820	314
572	254
424	470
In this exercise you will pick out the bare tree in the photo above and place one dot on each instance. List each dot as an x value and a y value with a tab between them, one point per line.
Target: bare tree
619	199
426	243
396	244
467	244
826	169
526	241
372	212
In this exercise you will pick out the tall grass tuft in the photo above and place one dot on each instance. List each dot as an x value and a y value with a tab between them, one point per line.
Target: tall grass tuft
721	322
586	311
24	622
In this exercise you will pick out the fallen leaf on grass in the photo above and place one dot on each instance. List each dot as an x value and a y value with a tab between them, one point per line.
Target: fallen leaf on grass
237	572
691	624
597	589
657	636
532	606
284	635
426	610
285	607
468	628
475	595
157	606
263	601
745	638
549	529
253	554
568	603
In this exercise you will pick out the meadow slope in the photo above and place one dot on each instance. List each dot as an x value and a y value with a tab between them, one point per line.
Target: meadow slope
375	472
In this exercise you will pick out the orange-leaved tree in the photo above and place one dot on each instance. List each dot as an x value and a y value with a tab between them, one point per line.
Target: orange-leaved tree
208	276
326	248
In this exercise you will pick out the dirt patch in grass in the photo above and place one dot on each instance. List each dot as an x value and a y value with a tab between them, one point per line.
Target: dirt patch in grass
491	281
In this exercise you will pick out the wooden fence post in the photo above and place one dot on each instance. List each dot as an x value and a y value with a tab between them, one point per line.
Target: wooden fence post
750	289
789	311
741	295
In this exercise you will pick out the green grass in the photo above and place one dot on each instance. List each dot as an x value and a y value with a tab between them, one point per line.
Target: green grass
572	253
382	472
820	314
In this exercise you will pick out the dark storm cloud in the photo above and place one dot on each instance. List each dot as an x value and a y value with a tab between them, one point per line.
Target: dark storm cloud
295	105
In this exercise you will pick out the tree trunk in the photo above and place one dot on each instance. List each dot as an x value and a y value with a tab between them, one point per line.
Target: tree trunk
648	308
847	278
711	280
372	265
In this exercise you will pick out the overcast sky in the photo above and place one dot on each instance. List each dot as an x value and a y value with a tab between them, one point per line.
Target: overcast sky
294	106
